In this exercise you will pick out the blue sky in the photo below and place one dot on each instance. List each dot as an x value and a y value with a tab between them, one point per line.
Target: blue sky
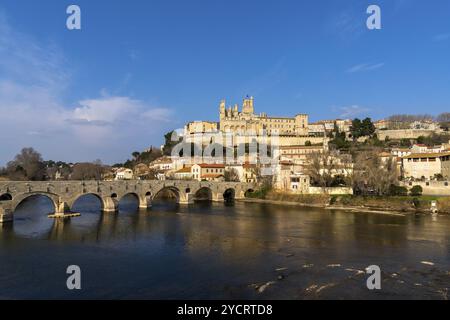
140	68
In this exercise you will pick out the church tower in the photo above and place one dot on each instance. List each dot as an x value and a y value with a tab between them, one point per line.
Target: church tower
222	110
247	106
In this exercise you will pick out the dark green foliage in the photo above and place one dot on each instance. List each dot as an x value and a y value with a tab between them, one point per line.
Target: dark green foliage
362	128
395	190
416	191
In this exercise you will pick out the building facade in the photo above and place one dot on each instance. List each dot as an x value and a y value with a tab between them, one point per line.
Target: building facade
245	121
426	165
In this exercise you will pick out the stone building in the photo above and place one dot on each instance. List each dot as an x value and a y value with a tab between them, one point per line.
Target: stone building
426	165
208	172
233	120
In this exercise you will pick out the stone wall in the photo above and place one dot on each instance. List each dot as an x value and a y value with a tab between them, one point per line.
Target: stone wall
431	188
331	191
403	134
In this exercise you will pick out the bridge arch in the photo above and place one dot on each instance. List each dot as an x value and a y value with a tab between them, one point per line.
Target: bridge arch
72	203
229	194
142	200
167	191
5	197
248	192
203	194
16	201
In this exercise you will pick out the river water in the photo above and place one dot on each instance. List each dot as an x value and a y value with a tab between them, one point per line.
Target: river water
222	251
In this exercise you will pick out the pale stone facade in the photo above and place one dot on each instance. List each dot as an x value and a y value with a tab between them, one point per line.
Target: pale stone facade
208	172
162	164
233	120
201	127
427	165
124	174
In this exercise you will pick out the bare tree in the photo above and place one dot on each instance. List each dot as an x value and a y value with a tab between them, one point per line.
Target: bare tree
324	168
27	165
372	174
443	117
231	175
87	171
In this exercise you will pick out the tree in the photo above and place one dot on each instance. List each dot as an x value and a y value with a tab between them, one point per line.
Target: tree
372	175
356	128
27	165
395	190
367	127
87	171
170	143
416	191
339	140
443	117
231	175
324	167
136	154
308	143
433	139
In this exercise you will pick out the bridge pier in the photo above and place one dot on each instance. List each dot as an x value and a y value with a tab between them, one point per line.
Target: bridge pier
6	215
217	197
62	210
187	199
145	202
110	204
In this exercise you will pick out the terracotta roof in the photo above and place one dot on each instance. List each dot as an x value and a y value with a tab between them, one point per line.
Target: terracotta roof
427	155
211	165
301	147
184	170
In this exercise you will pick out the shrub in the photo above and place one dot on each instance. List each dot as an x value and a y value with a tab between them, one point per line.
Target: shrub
416	191
397	190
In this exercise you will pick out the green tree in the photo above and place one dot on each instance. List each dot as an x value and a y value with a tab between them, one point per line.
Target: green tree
362	128
136	155
170	142
395	190
416	191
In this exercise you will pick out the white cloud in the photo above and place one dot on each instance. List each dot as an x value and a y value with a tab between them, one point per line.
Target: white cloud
352	111
33	80
365	67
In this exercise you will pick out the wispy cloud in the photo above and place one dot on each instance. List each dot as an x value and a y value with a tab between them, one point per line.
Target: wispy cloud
365	67
441	37
351	111
347	24
33	81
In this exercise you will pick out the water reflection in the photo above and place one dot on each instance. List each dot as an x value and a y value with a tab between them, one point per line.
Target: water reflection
210	250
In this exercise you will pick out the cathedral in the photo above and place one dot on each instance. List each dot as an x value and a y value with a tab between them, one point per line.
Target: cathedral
245	121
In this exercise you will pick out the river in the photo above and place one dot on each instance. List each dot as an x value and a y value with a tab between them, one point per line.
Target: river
222	251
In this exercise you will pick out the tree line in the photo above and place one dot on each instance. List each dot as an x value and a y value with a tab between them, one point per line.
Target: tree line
28	165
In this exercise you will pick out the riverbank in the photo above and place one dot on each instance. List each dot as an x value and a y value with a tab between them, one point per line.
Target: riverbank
383	205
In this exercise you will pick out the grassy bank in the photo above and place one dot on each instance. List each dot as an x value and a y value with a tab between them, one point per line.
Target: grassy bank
375	203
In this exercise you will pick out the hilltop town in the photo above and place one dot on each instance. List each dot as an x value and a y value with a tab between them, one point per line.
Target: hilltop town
336	157
339	156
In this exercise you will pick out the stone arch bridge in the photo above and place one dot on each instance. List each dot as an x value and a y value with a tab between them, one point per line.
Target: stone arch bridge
63	194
